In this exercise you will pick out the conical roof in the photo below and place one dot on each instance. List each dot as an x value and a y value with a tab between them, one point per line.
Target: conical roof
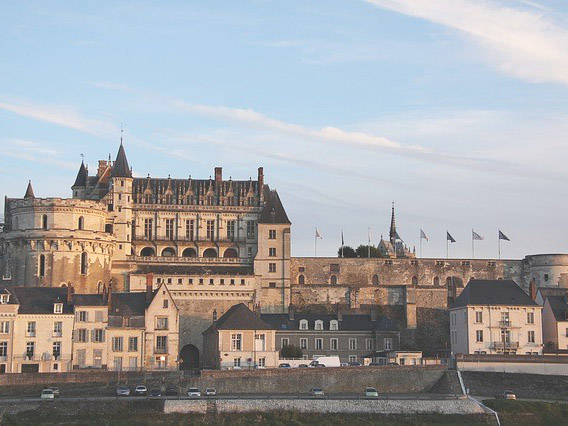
82	175
120	167
29	191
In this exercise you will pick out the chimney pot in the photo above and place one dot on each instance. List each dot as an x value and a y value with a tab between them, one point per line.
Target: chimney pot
291	313
260	178
218	174
149	283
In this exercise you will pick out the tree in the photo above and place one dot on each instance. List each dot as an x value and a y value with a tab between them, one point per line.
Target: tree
363	251
291	351
348	251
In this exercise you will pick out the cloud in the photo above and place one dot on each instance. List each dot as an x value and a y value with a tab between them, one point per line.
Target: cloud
526	43
35	152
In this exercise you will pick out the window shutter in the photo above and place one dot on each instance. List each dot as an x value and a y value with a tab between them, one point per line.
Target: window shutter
93	335
74	337
103	335
86	316
76	315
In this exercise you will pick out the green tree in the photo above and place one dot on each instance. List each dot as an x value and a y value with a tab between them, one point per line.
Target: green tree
348	251
291	351
363	251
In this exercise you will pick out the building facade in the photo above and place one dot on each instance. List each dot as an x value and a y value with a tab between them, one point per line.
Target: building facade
495	317
555	322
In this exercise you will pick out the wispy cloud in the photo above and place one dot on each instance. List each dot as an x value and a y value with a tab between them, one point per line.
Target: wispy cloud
523	42
35	152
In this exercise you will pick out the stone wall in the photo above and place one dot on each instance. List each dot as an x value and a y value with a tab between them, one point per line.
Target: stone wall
387	379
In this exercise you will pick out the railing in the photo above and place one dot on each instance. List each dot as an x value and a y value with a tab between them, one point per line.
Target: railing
505	324
160	350
184	239
505	345
195	260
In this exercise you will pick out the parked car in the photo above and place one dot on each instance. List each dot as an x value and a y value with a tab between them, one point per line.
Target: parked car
354	364
326	361
371	393
123	391
374	364
284	365
344	364
393	363
303	366
317	392
171	391
55	391
506	395
193	392
140	390
155	393
47	394
210	392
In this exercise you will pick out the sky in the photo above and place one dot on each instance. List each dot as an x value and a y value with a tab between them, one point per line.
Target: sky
456	110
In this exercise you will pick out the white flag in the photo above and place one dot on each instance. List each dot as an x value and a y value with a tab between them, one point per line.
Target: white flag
318	235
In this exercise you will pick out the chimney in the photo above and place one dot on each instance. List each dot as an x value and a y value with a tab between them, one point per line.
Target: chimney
102	167
149	282
69	293
339	316
291	313
109	297
260	178
214	315
374	315
105	294
218	174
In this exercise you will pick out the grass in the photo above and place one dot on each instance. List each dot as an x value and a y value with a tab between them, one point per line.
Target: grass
529	413
35	417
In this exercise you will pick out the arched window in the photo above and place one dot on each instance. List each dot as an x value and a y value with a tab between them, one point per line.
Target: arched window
99	287
42	265
436	281
303	324
333	279
414	280
375	279
168	252
84	263
210	252
230	252
334	325
189	252
448	281
81	223
318	325
301	279
44	222
147	251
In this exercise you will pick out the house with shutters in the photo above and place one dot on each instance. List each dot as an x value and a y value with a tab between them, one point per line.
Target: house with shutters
89	334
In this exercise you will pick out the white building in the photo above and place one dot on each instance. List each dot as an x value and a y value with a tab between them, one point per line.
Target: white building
495	317
555	322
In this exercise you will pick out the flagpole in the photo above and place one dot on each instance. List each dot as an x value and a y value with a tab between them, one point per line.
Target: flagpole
499	245
472	246
447	246
420	243
316	242
369	243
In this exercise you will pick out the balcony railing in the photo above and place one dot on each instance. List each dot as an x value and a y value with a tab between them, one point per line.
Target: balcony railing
191	260
505	324
160	350
505	345
196	239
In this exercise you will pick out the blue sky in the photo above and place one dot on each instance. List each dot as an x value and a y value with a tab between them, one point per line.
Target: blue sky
456	110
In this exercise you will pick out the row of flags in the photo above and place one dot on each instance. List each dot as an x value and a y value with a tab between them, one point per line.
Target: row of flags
474	236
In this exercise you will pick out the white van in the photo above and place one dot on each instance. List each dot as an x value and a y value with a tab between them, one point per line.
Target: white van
326	361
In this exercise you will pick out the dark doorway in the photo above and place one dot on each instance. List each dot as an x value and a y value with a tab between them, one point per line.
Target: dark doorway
2	368
30	368
189	358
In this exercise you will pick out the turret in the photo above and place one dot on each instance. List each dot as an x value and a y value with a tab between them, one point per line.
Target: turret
29	191
79	188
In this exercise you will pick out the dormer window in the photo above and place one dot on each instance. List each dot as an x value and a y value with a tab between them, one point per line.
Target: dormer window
303	324
319	325
333	325
4	299
58	308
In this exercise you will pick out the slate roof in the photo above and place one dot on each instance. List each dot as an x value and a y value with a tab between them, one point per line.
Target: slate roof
29	191
195	270
559	307
273	211
82	175
128	304
88	300
40	300
546	292
493	292
350	322
120	167
239	317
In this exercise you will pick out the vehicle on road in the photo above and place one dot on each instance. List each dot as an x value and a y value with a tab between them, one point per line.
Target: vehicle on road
393	363
123	391
140	390
55	391
210	392
326	361
284	365
47	394
374	364
171	391
155	393
507	394
317	392
193	392
303	366
371	393
354	364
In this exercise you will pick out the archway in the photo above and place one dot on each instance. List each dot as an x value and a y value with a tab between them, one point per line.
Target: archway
189	252
168	252
147	251
210	252
230	252
189	358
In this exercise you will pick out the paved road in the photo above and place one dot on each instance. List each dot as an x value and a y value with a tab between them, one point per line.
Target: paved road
552	401
235	396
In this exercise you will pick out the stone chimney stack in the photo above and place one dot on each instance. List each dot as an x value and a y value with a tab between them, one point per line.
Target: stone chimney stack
102	167
149	282
374	315
260	178
218	174
69	293
109	295
291	313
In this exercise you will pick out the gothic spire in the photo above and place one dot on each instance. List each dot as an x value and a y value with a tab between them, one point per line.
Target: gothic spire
29	191
81	179
120	167
392	233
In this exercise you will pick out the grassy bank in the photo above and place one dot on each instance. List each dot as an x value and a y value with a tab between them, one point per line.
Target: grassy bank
36	417
529	413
